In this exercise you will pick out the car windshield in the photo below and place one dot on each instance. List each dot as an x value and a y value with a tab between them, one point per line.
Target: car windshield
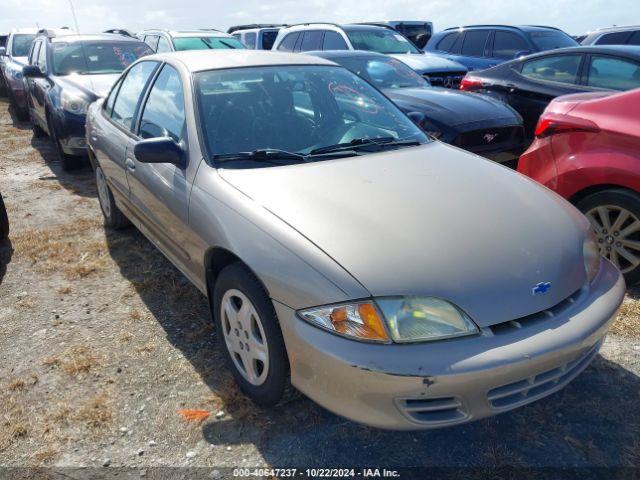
383	72
96	57
381	40
206	42
22	44
551	39
298	109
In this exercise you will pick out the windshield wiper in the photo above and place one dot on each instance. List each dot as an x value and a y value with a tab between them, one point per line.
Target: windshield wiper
378	143
269	155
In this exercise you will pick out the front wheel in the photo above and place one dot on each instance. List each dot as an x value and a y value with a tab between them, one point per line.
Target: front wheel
615	218
69	162
250	336
4	221
113	217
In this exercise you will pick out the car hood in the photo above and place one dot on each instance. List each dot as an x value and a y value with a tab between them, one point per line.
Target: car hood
426	63
433	221
95	85
445	105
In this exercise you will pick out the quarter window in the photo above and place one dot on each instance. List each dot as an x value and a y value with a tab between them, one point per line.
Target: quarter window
474	43
152	41
132	86
164	111
554	68
333	41
614	73
163	45
507	44
108	104
250	40
289	42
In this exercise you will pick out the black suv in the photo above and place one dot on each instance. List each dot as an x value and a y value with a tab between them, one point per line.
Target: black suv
64	75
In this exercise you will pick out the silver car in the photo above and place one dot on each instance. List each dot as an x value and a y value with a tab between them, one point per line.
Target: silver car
395	280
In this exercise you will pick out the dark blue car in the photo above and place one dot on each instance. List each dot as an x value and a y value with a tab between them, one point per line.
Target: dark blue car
64	75
483	46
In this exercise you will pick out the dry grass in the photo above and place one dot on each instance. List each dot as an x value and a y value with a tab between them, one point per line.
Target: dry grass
74	360
77	249
627	323
66	290
16	384
96	413
28	303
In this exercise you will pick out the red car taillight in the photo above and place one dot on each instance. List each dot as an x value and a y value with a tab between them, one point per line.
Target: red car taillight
471	83
551	124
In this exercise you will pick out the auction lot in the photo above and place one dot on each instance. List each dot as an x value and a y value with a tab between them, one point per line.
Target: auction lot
103	342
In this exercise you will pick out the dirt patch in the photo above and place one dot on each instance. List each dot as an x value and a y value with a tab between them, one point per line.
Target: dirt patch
108	357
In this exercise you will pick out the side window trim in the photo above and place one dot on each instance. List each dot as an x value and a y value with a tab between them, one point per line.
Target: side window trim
115	90
145	98
141	99
579	71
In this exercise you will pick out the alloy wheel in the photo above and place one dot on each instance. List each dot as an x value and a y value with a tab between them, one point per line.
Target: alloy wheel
618	234
245	337
103	192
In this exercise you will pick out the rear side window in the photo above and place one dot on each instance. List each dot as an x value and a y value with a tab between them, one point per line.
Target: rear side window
615	38
447	42
333	41
152	41
132	86
163	45
250	40
312	40
289	42
554	68
613	73
474	43
164	111
507	44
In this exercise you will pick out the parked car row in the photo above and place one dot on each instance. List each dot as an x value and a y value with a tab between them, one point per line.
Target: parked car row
337	240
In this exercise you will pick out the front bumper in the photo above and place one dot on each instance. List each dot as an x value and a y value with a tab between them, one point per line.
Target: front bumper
71	132
436	384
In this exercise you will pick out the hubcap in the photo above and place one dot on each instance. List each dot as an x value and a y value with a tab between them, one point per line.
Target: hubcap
244	336
103	192
618	234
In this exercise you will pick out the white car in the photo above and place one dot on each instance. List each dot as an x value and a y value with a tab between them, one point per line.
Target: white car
162	41
256	36
306	37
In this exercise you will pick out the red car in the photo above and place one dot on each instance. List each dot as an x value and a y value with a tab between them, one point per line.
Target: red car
587	149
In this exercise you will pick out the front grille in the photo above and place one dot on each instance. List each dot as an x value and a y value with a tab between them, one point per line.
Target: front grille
542	316
490	139
530	389
445	79
432	411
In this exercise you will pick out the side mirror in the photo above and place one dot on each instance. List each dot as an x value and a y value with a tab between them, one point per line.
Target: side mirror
159	150
3	51
416	117
32	71
522	53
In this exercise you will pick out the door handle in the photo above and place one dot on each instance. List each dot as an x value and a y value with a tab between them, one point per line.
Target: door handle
130	164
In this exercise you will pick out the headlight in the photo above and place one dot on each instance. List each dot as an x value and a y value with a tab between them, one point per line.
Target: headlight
17	74
74	103
592	257
398	319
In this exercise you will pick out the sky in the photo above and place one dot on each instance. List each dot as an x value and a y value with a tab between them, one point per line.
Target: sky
573	16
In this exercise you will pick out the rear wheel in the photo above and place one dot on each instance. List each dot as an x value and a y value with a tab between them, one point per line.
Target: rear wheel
250	336
69	162
20	113
615	218
4	221
113	217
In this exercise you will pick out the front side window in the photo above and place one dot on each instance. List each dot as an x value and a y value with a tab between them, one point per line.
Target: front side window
163	45
294	108
380	40
163	114
250	40
268	39
333	41
383	72
132	86
311	40
42	57
206	42
33	58
554	68
613	73
551	39
474	43
22	44
96	57
447	42
507	44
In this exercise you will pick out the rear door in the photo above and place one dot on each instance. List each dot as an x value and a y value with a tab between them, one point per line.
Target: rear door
541	79
160	191
40	87
112	133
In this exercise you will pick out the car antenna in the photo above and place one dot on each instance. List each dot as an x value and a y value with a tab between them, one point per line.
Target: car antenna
75	20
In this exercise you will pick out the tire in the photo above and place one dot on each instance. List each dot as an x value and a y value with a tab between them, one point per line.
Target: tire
38	132
615	218
270	385
113	217
20	113
69	162
4	221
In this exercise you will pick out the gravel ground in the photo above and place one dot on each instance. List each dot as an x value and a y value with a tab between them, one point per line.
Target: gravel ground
103	344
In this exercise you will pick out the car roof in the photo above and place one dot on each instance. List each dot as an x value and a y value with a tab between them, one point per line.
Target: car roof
524	28
199	60
615	28
345	27
630	50
24	30
187	33
114	37
329	54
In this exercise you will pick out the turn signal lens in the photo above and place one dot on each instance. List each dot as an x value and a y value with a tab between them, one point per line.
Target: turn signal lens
357	320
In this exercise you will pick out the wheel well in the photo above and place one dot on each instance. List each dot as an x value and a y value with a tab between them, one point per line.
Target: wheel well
92	158
216	260
582	194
